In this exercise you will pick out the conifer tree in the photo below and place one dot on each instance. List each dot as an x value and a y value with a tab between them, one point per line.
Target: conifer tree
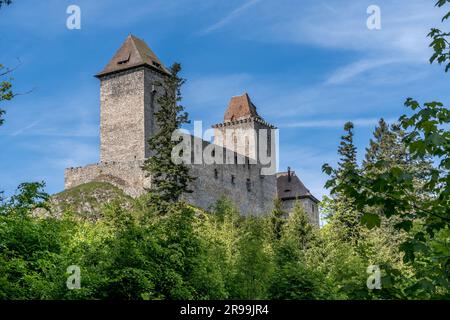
344	184
277	219
169	180
298	227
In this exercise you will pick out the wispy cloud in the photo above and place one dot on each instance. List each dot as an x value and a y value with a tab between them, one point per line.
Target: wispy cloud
352	70
228	18
24	129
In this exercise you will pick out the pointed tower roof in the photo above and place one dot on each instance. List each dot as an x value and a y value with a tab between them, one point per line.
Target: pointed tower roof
134	52
240	107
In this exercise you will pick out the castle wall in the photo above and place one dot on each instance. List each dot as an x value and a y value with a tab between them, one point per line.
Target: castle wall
251	193
127	103
127	176
310	206
246	132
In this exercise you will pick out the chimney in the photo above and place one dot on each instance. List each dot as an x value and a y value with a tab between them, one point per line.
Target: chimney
289	174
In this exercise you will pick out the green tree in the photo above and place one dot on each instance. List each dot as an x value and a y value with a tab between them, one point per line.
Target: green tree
252	268
277	218
421	208
5	83
169	180
298	228
345	177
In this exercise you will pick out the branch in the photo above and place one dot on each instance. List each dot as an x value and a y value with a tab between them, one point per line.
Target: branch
9	70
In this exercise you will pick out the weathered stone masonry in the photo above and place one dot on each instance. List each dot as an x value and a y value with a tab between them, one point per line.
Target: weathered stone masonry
128	99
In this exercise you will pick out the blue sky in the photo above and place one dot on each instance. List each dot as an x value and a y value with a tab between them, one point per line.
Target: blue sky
309	66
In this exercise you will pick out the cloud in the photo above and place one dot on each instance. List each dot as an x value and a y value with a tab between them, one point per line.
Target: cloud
343	26
228	18
24	129
352	70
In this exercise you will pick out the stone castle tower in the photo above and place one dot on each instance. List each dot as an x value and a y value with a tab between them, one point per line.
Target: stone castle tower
128	87
128	99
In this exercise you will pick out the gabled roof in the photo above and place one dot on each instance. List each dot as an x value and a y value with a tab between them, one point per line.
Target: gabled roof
240	107
134	52
289	187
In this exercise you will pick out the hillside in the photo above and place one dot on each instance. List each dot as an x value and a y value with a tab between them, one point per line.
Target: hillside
87	200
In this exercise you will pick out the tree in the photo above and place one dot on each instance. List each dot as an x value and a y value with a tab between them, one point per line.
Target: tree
423	209
169	180
277	219
5	84
343	185
252	268
298	228
440	43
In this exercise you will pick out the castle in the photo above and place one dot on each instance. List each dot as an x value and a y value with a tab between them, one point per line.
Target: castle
128	100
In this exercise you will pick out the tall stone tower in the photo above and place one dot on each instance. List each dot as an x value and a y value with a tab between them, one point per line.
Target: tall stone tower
240	130
128	95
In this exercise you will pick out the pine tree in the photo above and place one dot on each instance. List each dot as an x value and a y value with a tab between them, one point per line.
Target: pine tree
298	227
387	150
347	151
277	219
169	180
384	145
344	184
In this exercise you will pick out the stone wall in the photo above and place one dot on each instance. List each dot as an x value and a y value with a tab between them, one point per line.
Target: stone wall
241	183
311	208
127	176
251	193
127	105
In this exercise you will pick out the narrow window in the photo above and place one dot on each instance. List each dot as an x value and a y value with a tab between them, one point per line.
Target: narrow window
124	59
232	179
249	185
216	174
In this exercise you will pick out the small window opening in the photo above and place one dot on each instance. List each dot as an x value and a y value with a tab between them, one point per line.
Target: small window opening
216	173
124	59
233	179
249	185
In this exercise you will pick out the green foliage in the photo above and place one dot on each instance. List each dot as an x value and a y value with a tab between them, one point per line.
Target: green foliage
277	219
440	43
169	179
6	92
192	254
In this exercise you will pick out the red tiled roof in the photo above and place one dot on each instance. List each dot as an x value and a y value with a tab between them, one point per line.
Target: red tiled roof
240	107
